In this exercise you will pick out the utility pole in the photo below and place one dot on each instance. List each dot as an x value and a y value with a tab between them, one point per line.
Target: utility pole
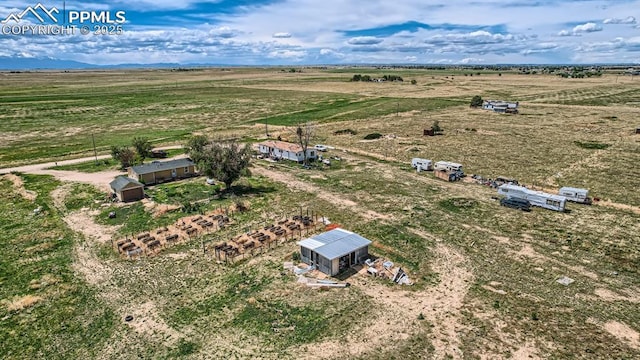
266	128
398	109
95	153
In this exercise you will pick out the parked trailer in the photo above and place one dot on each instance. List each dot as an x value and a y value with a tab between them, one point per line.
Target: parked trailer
424	164
575	195
448	166
536	198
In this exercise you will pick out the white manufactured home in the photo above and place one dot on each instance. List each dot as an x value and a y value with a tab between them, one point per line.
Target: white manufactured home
285	150
575	194
447	166
422	164
535	198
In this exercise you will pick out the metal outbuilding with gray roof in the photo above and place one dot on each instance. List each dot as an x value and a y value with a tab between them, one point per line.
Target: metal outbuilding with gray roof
334	251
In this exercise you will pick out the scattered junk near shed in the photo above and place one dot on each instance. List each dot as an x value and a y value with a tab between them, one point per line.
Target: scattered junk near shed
162	171
501	180
638	130
428	132
334	251
422	164
127	189
387	270
566	281
536	198
501	106
576	195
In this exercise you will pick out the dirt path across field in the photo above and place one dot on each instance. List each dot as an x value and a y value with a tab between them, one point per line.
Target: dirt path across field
100	179
335	199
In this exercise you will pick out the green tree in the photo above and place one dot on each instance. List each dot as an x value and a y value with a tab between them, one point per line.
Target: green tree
195	147
124	155
413	82
225	162
476	101
143	147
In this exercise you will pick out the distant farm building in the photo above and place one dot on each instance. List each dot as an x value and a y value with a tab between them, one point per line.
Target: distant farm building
334	251
500	106
158	172
127	189
285	150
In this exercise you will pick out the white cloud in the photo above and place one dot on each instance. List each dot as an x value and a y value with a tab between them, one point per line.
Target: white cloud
411	58
627	20
365	40
281	35
288	54
470	61
587	28
564	33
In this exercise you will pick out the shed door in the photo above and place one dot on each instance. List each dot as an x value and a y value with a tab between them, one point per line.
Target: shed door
132	194
173	173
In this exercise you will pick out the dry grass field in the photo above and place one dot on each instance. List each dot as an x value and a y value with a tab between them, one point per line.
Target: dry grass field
484	275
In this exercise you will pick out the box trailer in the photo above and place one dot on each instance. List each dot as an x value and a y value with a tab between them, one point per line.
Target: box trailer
447	175
448	166
535	198
575	194
423	164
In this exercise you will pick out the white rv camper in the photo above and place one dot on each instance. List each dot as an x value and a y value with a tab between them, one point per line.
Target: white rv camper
536	198
575	195
448	166
424	164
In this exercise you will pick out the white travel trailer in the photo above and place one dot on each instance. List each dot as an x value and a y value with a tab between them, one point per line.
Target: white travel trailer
536	198
448	166
575	194
423	164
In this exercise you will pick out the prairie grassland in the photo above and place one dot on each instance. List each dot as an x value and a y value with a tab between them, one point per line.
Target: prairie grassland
485	275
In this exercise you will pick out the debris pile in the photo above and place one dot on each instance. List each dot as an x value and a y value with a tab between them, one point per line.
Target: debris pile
387	270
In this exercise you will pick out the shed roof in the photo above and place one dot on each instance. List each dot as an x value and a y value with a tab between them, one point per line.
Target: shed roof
122	182
335	243
282	145
162	165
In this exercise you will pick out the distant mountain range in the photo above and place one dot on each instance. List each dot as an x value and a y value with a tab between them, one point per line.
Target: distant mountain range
29	63
22	63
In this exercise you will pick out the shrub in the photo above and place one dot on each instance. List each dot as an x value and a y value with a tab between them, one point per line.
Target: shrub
591	145
373	136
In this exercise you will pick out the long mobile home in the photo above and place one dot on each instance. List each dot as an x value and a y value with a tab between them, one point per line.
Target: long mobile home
536	198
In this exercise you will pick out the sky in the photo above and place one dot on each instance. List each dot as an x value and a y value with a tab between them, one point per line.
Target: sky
325	32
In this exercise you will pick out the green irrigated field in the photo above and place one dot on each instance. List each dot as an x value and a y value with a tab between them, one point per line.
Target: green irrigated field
485	275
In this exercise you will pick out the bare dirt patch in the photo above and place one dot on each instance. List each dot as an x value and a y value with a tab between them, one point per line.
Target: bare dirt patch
20	303
147	321
624	333
18	186
608	295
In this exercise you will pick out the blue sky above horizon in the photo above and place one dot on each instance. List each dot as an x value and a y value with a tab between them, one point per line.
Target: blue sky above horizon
297	32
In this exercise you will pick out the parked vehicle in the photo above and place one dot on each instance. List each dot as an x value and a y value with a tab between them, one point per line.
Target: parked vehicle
576	195
321	147
505	180
535	198
516	203
159	154
424	164
448	166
